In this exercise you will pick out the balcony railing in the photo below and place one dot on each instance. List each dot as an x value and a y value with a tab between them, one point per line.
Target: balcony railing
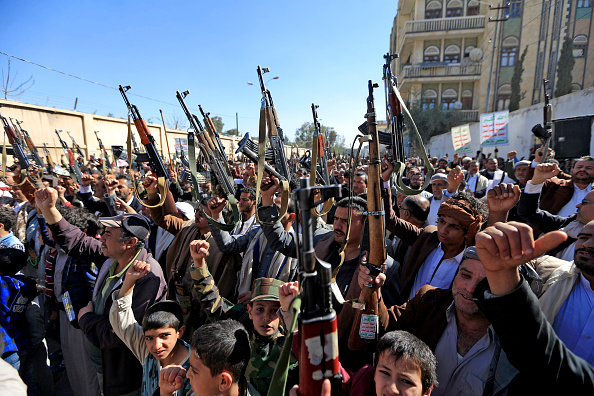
442	24
441	70
470	115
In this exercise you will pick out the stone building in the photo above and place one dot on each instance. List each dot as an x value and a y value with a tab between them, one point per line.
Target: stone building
460	54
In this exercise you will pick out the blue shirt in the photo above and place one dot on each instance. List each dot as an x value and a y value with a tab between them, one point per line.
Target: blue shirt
574	324
11	241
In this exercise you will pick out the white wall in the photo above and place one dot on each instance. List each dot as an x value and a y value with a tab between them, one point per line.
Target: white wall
577	104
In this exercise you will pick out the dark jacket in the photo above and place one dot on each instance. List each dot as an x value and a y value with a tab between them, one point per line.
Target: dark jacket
555	194
101	207
532	346
122	373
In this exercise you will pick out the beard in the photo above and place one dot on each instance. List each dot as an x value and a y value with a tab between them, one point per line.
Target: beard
584	265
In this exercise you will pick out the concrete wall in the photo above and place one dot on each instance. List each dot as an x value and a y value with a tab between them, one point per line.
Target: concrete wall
41	123
577	104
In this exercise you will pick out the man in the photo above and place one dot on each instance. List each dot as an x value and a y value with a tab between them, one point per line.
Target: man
529	341
122	242
443	164
495	175
560	197
490	169
545	221
360	183
476	184
439	183
7	239
247	208
464	342
416	182
523	172
206	188
121	187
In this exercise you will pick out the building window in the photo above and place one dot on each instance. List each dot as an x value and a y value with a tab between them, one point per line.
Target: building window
473	8
448	99
580	43
433	10
454	9
431	54
467	99
509	51
503	97
515	6
583	3
429	99
452	54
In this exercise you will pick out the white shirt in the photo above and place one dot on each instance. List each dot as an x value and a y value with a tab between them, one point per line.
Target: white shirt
434	208
574	324
577	197
436	271
471	183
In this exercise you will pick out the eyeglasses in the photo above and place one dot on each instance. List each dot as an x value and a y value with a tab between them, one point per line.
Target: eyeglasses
586	201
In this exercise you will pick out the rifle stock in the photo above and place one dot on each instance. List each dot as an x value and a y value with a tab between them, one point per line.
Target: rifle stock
30	145
17	146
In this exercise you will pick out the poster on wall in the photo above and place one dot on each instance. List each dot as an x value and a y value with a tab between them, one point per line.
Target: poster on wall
461	139
181	145
494	129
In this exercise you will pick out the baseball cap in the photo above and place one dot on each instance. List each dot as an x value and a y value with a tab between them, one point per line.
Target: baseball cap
523	162
134	223
265	289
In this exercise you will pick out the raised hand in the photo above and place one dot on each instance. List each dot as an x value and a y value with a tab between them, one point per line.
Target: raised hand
199	251
216	205
287	293
540	152
387	170
138	270
150	184
172	174
171	379
270	186
455	177
503	197
87	180
511	155
46	198
544	172
111	185
505	246
123	206
251	169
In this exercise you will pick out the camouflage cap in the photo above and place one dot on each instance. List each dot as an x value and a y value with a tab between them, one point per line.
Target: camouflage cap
265	289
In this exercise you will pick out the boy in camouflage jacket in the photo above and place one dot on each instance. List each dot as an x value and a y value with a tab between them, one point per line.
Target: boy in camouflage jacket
261	319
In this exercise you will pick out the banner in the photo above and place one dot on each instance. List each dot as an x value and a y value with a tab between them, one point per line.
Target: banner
494	129
181	145
461	139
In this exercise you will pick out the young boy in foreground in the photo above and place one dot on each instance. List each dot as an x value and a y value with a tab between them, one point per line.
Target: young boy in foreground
157	343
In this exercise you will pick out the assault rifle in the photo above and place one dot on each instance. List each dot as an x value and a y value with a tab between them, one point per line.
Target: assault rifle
322	165
145	138
76	146
29	142
17	145
75	172
275	133
103	151
544	131
210	145
48	157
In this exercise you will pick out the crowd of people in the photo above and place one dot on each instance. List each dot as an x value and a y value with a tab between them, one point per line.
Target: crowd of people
487	287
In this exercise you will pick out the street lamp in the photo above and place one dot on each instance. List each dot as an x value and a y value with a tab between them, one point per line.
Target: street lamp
273	78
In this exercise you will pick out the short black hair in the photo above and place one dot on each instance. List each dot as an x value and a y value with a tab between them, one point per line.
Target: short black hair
362	174
249	190
357	203
12	260
123	176
78	217
399	343
160	319
223	346
585	158
8	217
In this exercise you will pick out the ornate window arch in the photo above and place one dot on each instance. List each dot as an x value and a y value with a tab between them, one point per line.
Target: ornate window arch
467	99
448	98
503	97
452	54
473	8
509	51
431	54
429	99
454	8
580	43
433	9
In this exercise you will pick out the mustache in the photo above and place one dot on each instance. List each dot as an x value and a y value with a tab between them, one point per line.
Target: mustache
587	250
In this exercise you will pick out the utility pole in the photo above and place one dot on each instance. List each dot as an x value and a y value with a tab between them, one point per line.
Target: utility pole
491	19
237	123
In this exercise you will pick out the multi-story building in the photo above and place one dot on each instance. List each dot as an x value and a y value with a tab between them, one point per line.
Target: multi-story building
460	54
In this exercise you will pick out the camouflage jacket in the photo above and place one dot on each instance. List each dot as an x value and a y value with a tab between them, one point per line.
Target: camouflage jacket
265	350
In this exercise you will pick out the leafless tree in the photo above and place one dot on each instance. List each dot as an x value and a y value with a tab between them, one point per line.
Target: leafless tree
8	82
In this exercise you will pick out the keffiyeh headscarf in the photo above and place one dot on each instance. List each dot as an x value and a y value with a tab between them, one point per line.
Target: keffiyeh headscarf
466	214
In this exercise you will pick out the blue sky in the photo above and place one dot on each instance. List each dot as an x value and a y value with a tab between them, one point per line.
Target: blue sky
323	52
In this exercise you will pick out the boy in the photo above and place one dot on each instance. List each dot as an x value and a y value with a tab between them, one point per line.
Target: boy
404	364
219	358
266	337
157	343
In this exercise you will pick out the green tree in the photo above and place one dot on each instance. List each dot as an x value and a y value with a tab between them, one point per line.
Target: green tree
516	83
435	121
230	132
304	134
565	68
218	123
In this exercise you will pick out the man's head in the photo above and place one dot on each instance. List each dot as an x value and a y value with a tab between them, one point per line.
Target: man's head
583	171
125	188
585	209
522	171
470	273
360	183
123	235
439	182
491	165
263	306
206	188
162	327
8	219
220	354
584	250
405	365
416	180
466	162
200	221
247	201
339	176
359	206
473	167
415	209
459	219
443	163
68	184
